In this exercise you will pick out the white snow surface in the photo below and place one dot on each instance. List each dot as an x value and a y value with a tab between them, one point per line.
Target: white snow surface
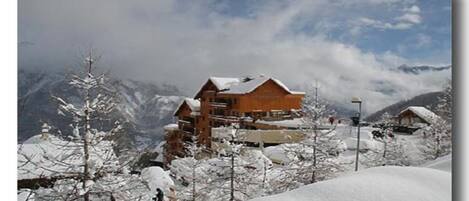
388	183
442	163
365	144
224	82
249	86
25	195
171	127
44	155
156	177
229	85
423	113
193	104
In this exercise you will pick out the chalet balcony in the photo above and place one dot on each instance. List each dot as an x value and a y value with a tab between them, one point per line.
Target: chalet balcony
188	128
232	119
219	104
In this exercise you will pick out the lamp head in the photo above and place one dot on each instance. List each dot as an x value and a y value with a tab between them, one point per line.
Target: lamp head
356	100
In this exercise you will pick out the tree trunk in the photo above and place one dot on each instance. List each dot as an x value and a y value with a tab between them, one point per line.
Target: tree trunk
232	172
313	176
86	171
193	181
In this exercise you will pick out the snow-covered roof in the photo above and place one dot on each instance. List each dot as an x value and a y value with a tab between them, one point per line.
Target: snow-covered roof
224	82
229	85
243	87
193	104
170	127
422	112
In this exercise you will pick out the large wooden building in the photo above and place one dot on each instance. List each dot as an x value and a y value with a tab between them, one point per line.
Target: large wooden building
224	101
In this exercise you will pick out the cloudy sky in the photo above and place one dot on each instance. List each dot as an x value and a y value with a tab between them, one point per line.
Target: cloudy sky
349	46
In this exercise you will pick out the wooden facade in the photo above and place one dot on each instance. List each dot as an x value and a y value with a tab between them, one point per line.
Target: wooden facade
219	106
416	115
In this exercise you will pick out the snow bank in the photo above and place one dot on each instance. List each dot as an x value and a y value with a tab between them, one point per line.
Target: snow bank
156	177
442	163
376	184
25	195
276	154
51	156
364	144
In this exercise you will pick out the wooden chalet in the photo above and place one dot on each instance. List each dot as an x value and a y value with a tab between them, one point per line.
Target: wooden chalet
250	102
414	115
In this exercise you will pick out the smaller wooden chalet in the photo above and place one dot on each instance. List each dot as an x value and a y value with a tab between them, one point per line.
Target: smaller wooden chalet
188	113
414	115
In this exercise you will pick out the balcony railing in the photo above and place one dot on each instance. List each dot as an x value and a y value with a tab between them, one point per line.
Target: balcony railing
225	118
219	104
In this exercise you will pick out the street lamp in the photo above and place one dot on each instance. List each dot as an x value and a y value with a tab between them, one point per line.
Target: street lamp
359	101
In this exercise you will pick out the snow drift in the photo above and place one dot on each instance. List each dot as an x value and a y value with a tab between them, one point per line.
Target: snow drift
442	163
376	184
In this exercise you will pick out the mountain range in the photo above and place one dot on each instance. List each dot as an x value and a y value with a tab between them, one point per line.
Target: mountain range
143	108
146	107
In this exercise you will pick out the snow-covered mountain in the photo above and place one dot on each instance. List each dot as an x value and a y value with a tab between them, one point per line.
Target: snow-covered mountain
143	107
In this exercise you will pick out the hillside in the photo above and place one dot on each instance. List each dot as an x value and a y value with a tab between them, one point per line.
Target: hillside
429	100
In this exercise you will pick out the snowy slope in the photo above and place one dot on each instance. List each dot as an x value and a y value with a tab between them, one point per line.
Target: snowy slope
376	184
442	163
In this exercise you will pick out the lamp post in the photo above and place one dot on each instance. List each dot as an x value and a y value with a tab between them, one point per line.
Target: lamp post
359	101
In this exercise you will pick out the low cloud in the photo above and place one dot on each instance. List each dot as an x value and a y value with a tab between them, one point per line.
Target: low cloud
183	43
407	20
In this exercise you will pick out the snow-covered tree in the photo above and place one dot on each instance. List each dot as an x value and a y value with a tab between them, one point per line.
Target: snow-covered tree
315	158
436	141
445	103
237	173
392	152
194	181
84	164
